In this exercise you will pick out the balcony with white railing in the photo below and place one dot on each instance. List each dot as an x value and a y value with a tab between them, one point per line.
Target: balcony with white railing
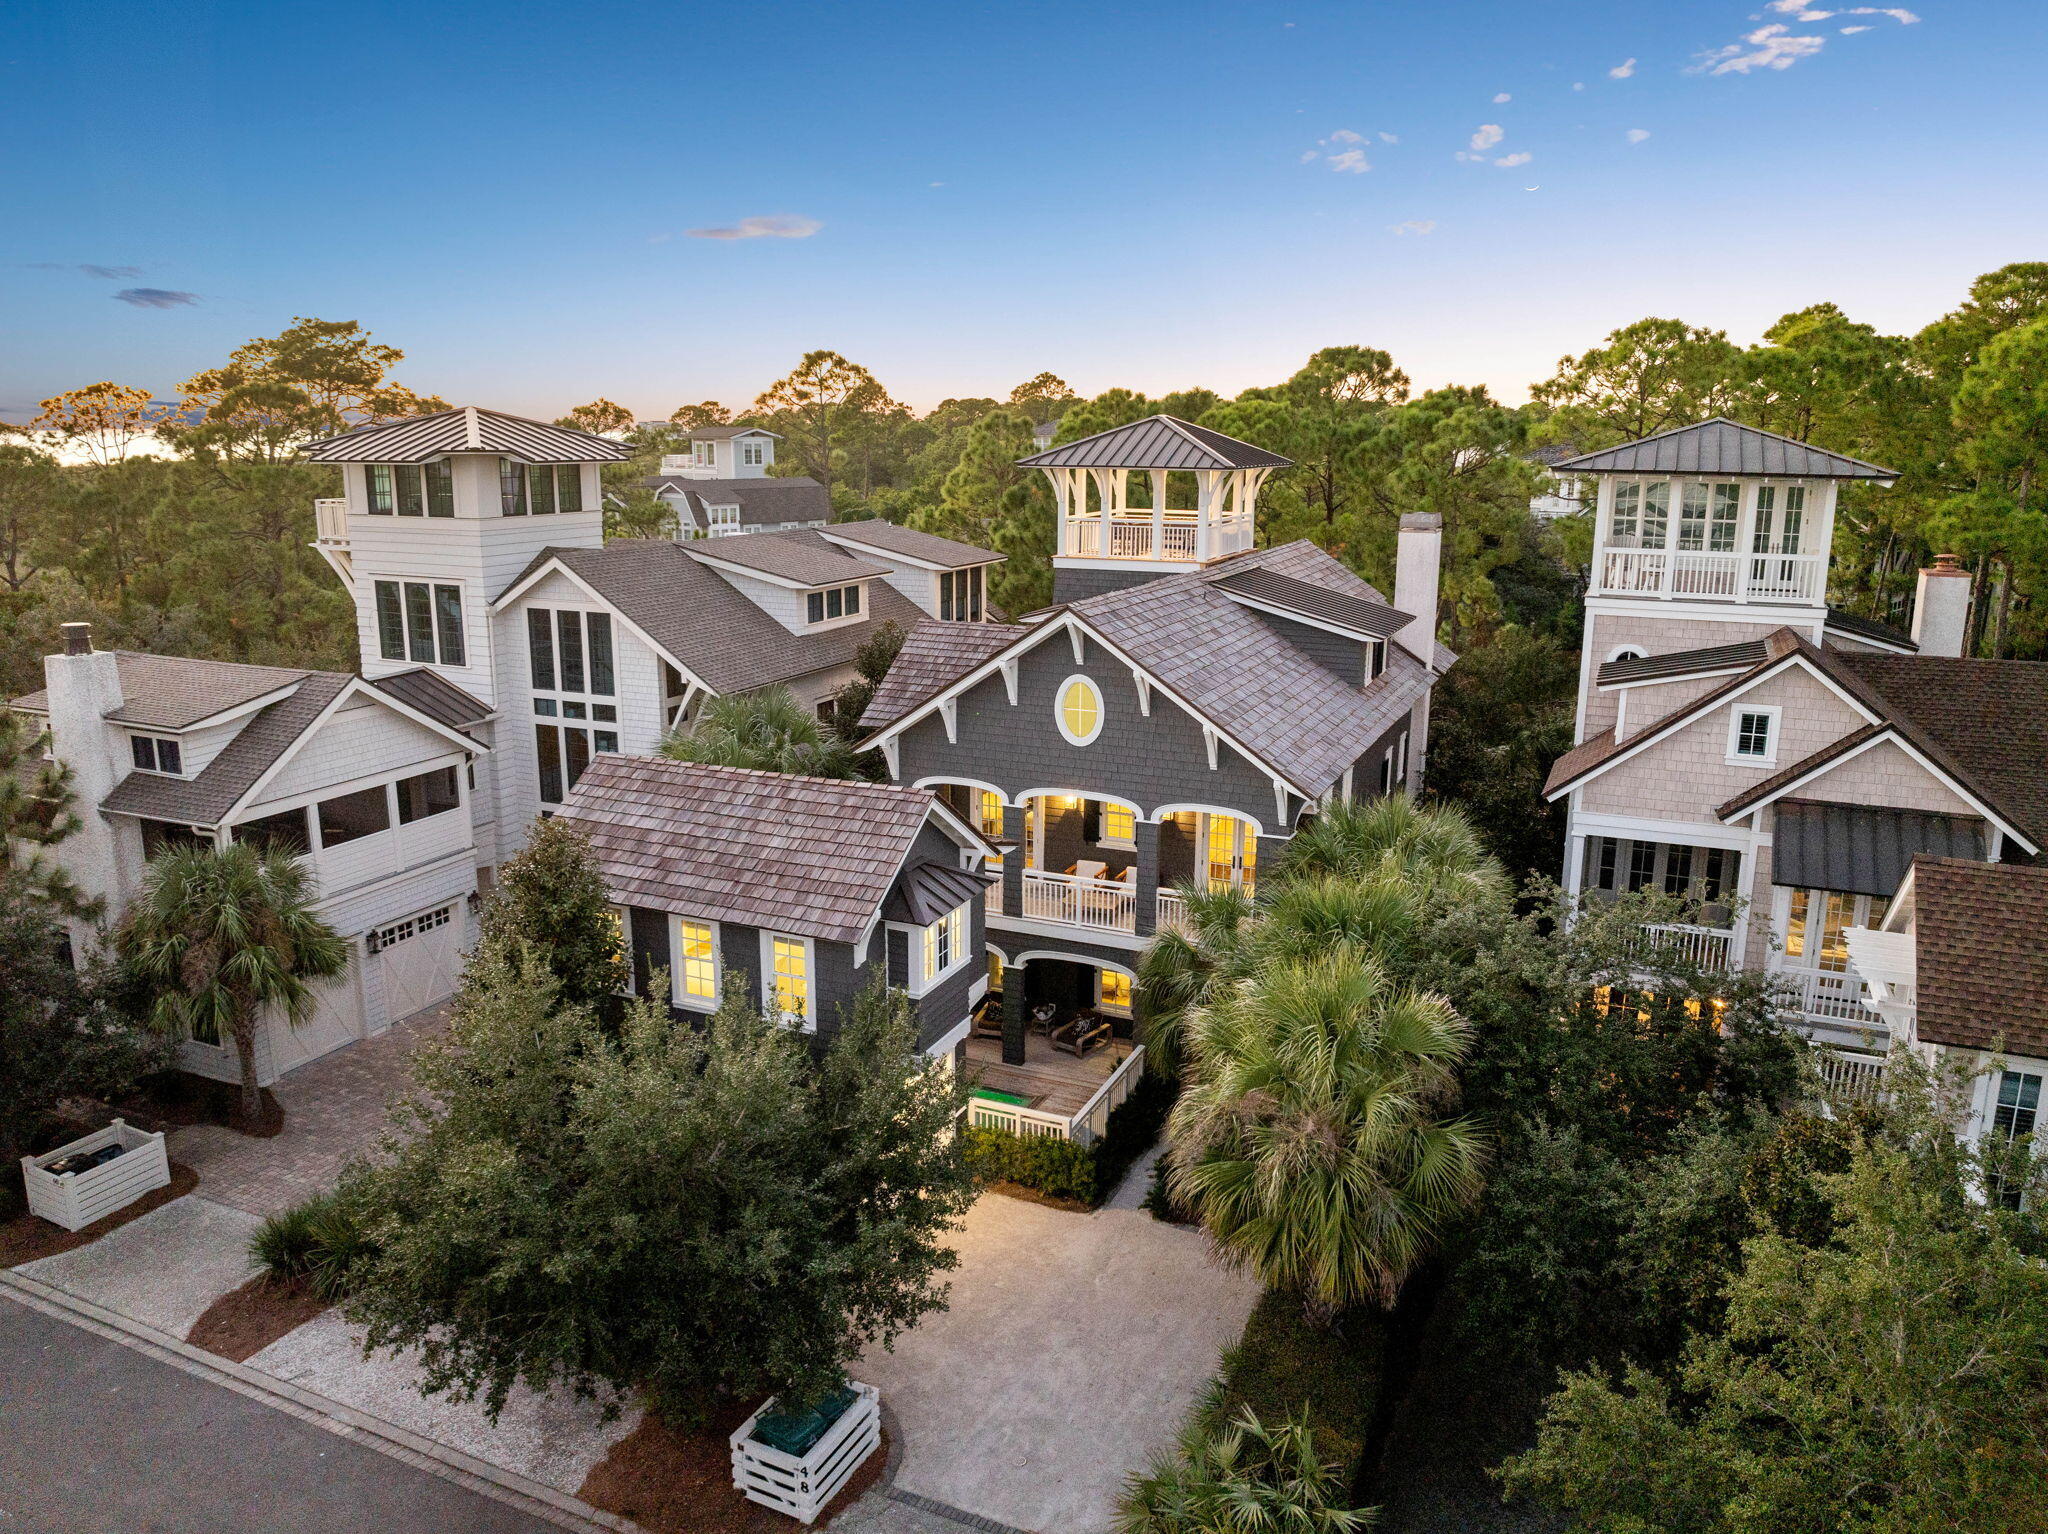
1679	573
1074	900
1172	911
1052	1095
1706	947
1175	538
330	519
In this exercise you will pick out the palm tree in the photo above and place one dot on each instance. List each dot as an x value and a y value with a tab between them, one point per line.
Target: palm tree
1311	1137
768	730
1241	1477
1183	965
223	933
1434	848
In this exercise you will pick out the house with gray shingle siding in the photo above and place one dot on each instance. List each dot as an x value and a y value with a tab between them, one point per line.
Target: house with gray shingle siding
1743	744
1167	724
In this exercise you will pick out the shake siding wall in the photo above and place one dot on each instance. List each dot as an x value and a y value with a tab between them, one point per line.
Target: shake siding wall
834	979
1647	705
200	747
1686	775
1653	633
1886	775
1151	762
785	606
1070	585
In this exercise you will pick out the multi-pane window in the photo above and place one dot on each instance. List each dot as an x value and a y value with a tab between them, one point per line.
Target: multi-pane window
704	454
835	602
1119	824
1753	733
1780	519
1704	873
411	489
1817	925
538	488
427	793
988	813
721	521
789	978
1113	990
696	964
152	753
943	944
570	651
1707	515
2012	1118
960	595
1641	517
1080	711
419	621
753	452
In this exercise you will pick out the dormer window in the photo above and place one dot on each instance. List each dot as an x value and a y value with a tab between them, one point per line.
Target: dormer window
721	521
410	489
704	454
833	602
960	594
154	754
753	452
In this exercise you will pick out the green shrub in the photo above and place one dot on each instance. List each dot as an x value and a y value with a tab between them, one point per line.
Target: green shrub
1285	1369
1241	1476
319	1241
1057	1168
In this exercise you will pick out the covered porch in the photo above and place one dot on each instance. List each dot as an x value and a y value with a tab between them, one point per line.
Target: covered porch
1052	1050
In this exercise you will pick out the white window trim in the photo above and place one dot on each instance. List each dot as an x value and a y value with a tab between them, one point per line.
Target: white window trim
768	940
1110	1007
819	625
920	936
1737	712
460	583
678	997
1059	709
156	739
1102	822
1627	652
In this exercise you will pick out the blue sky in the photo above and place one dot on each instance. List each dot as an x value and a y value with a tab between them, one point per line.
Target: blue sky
1153	195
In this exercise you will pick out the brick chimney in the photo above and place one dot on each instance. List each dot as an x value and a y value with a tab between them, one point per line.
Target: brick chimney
1418	560
1941	607
84	687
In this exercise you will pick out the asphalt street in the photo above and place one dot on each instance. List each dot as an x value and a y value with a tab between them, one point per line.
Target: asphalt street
95	1436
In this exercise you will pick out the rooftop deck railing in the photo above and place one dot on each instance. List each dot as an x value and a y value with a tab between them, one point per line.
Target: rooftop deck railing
1676	573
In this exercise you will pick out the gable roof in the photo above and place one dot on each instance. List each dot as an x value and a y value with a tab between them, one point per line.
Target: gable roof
1868	628
806	561
1678	663
176	692
1980	967
206	798
701	620
727	433
1305	599
908	543
466	429
814	857
1157	442
790	498
1722	446
1213	654
933	655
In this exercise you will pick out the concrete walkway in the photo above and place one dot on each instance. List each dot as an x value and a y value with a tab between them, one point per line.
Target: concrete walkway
1073	1349
163	1269
334	1110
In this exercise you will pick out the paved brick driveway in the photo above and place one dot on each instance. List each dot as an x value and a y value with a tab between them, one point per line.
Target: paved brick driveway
334	1110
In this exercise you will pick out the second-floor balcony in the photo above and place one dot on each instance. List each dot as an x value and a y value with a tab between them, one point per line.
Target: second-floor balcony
1081	900
330	519
1682	573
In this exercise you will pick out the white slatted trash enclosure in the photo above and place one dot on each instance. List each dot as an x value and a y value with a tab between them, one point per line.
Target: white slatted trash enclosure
75	1199
801	1485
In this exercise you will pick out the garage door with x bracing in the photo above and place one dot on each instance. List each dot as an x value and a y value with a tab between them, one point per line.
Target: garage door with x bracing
422	960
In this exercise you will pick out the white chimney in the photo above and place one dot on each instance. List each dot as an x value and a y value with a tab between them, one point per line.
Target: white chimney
1941	607
84	687
1418	563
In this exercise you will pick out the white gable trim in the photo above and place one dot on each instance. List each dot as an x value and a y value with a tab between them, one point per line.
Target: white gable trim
1889	734
1704	706
555	567
877	551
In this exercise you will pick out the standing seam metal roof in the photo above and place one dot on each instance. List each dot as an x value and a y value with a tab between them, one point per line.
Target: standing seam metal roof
1722	446
466	429
1157	442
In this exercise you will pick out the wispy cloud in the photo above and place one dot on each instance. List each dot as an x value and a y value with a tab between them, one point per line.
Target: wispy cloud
1502	98
1776	46
1801	10
1622	70
1636	135
156	298
1341	152
771	226
1389	138
1416	226
1484	141
1510	161
91	269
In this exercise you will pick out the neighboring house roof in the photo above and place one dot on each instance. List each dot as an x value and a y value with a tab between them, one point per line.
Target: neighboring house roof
934	654
727	433
1868	628
703	623
1552	454
1722	446
1679	663
805	561
174	692
1217	656
1980	967
1306	599
814	857
435	696
1981	723
1863	849
206	798
1157	442
909	543
467	429
791	498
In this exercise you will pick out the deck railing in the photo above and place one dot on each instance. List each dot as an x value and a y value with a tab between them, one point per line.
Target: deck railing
1093	1119
1172	910
1705	946
1105	905
1833	997
986	1113
1179	537
1687	573
1857	1077
330	519
1086	1125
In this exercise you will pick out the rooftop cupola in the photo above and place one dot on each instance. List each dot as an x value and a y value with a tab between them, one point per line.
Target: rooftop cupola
1717	513
1156	497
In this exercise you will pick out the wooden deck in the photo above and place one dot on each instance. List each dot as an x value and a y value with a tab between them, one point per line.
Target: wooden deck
1053	1080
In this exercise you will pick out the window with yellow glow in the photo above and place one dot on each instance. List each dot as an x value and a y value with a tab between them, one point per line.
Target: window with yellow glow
945	943
789	975
1114	992
1119	824
1080	710
696	964
995	970
990	813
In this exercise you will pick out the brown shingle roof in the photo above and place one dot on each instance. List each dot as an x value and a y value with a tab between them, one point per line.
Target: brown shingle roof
701	619
810	856
1980	962
203	800
174	692
810	561
894	538
932	656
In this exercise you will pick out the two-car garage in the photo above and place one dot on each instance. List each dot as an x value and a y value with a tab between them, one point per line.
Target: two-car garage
394	970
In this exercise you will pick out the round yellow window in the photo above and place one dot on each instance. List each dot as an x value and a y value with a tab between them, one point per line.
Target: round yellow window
1080	710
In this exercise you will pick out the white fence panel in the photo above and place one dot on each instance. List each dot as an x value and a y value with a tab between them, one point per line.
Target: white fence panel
801	1485
75	1199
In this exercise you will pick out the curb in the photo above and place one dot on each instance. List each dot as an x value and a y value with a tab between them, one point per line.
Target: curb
500	1485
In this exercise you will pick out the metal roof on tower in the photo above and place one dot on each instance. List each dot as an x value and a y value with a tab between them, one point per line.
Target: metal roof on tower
466	429
1157	442
1722	446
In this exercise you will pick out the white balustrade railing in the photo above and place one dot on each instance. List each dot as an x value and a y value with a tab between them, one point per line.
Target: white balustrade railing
1682	573
1093	1119
1103	904
330	519
1131	537
1851	1076
1172	910
1033	1123
1832	997
1705	946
